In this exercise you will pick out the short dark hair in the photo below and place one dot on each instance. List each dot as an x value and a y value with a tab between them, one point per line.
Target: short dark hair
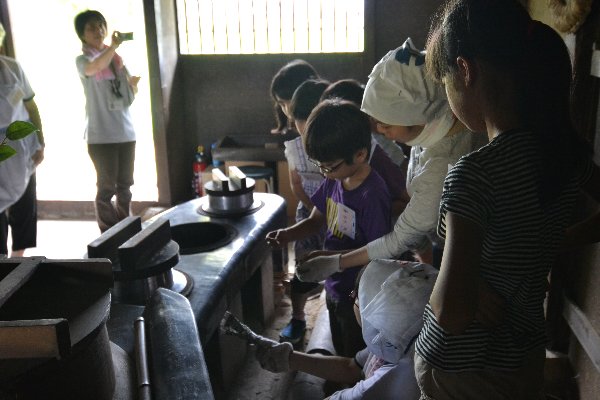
289	77
345	89
285	82
306	98
86	16
337	129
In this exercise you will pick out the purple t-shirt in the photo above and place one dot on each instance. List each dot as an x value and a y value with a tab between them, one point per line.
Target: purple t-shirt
368	206
389	171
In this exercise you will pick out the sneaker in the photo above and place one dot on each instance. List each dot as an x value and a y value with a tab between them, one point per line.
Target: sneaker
293	332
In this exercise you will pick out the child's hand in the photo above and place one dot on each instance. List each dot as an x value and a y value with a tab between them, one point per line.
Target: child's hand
278	238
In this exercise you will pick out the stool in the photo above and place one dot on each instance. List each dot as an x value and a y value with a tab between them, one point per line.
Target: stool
263	173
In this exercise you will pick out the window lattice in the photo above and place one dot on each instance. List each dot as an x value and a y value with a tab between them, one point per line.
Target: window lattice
270	26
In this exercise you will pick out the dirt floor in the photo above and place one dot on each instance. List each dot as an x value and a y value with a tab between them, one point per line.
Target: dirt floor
254	383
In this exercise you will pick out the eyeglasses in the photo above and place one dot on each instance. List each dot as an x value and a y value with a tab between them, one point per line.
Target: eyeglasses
326	170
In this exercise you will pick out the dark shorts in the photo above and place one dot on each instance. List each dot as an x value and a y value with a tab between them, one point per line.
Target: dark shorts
299	287
22	219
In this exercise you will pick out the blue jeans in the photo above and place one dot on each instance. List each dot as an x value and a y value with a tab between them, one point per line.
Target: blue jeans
114	176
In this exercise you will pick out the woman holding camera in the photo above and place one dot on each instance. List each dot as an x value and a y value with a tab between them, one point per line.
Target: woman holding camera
109	91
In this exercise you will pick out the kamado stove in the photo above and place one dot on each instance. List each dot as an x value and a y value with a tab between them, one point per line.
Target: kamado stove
171	278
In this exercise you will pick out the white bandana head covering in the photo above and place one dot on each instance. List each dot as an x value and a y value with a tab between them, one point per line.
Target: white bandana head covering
392	297
398	91
434	130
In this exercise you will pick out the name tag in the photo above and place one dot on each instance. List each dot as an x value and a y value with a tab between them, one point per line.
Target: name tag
116	105
346	220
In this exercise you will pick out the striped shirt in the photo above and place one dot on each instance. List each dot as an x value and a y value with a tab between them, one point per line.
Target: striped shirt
497	188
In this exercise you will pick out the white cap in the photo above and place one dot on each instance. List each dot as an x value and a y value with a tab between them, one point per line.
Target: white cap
392	297
399	92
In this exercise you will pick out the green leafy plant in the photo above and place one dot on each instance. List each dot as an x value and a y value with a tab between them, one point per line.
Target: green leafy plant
15	131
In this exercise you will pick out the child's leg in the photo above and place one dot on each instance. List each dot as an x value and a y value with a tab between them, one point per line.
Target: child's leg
299	293
294	331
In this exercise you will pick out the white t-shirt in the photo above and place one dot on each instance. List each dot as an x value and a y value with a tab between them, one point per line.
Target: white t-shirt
15	171
107	118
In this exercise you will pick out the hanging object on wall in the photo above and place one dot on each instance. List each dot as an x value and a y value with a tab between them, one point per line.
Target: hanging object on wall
568	15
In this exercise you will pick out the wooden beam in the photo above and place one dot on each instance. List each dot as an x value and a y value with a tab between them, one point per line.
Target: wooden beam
18	277
48	338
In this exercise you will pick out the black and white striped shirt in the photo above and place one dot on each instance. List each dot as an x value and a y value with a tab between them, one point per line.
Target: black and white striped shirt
497	188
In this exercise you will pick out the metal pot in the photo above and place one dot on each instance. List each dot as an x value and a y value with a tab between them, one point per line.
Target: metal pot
229	195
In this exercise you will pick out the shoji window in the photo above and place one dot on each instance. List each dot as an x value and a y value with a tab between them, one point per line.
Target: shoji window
270	26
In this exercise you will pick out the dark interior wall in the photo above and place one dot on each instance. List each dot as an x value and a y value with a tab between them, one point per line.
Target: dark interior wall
396	20
229	94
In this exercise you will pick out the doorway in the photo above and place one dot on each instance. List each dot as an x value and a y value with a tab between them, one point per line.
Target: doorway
46	45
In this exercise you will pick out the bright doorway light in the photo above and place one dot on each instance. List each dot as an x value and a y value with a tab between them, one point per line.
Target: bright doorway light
46	45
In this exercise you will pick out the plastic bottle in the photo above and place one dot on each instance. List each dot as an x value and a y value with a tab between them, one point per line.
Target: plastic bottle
215	163
199	166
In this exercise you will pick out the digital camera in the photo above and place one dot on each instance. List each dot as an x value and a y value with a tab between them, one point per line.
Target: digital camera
125	35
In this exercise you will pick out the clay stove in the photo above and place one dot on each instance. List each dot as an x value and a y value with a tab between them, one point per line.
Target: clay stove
223	253
216	258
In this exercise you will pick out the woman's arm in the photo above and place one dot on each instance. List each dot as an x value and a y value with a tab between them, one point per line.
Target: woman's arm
34	116
332	368
104	59
420	216
455	296
355	258
298	190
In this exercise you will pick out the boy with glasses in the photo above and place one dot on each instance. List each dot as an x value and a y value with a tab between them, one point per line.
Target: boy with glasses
353	203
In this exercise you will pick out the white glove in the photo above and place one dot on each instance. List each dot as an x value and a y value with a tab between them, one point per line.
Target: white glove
319	268
273	356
